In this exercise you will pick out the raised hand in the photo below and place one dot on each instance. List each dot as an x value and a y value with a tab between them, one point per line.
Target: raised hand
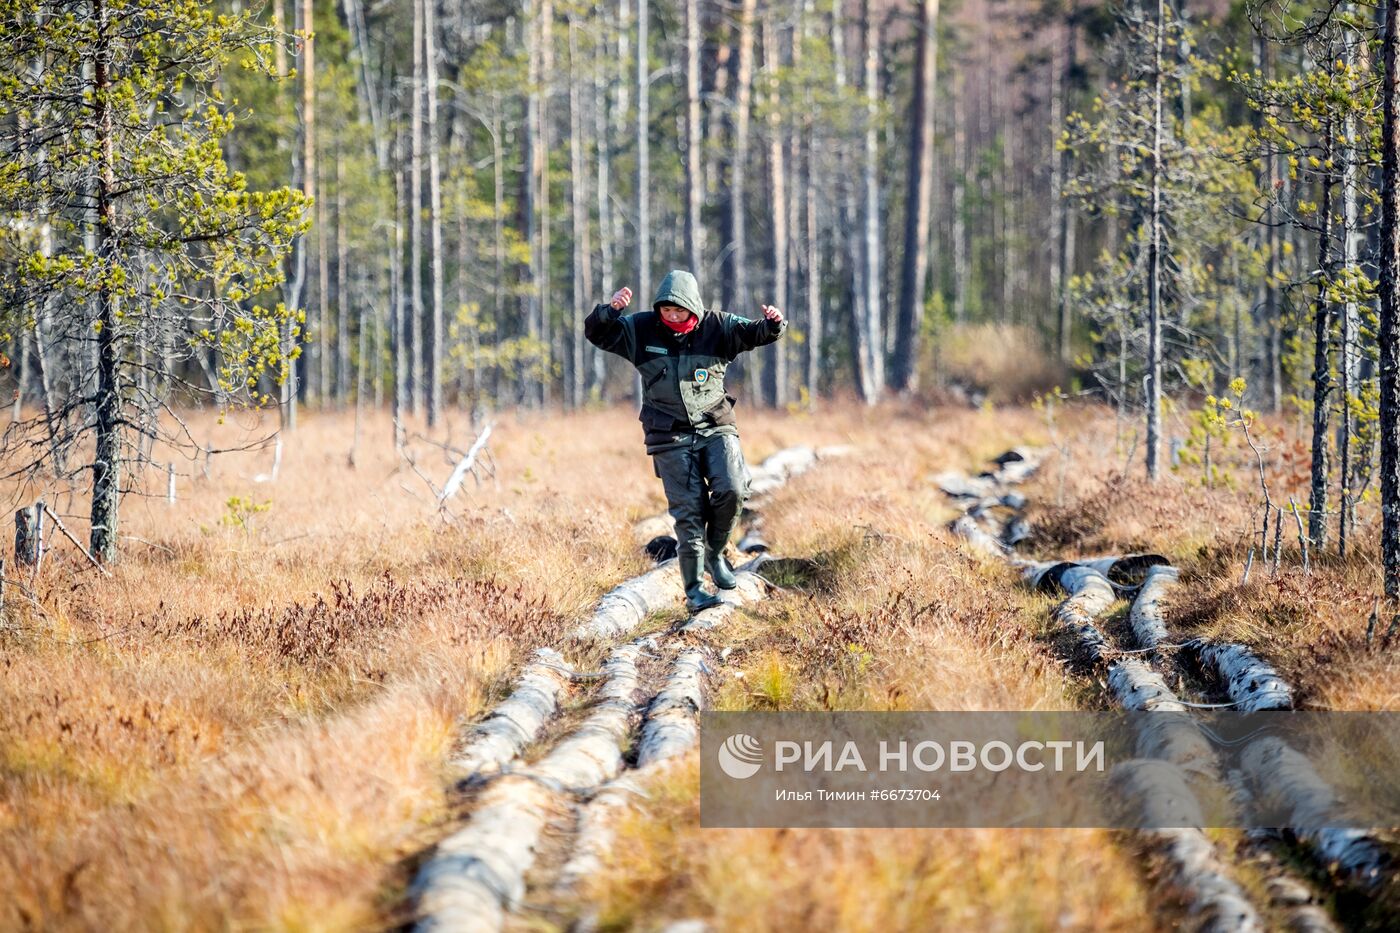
773	314
620	298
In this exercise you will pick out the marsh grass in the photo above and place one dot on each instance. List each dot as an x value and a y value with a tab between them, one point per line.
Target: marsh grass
246	725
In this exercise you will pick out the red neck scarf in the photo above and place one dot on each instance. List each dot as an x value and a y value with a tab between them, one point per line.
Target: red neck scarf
684	327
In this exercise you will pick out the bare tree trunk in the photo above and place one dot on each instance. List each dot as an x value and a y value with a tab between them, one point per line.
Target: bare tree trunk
415	217
37	67
1389	335
859	335
875	342
468	377
342	287
498	220
545	35
1322	358
279	16
106	463
1349	368
322	341
694	199
807	182
583	247
775	360
605	229
960	166
738	263
1061	220
435	269
1154	261
531	156
303	171
644	232
400	309
904	375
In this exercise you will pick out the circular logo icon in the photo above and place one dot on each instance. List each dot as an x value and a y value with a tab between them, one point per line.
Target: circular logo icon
740	756
702	376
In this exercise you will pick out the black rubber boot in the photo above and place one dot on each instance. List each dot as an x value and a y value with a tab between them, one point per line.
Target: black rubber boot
696	596
719	568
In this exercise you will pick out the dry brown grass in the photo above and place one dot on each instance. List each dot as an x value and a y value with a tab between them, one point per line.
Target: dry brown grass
1005	363
245	726
897	616
860	880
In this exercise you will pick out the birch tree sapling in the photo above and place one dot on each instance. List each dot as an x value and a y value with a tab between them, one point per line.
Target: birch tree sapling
177	242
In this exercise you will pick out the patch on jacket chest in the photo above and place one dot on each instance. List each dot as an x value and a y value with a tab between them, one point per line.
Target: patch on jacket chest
661	350
702	376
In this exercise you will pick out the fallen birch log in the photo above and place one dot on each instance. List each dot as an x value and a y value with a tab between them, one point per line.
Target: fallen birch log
464	466
1251	683
626	605
1145	616
1170	734
968	528
478	873
1283	776
778	468
1126	571
1176	747
670	727
595	834
1171	818
508	729
1289	896
1174	743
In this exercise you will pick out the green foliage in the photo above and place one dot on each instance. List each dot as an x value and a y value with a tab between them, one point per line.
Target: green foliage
1205	191
240	512
1211	426
185	247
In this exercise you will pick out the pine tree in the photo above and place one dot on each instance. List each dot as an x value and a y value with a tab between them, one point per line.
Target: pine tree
159	253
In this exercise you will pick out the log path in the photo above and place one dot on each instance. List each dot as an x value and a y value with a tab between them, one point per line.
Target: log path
543	811
1175	754
538	828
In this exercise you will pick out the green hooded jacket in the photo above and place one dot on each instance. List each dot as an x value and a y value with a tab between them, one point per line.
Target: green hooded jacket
682	374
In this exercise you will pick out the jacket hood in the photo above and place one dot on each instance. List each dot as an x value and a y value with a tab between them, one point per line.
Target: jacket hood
680	288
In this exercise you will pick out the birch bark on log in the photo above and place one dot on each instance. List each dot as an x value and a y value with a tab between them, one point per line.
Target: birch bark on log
1145	616
515	722
625	606
670	727
1251	683
477	874
1211	894
1283	775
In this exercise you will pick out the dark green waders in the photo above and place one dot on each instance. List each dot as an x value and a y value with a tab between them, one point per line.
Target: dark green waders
706	484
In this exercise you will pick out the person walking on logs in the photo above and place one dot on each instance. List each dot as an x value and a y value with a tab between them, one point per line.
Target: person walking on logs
681	351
